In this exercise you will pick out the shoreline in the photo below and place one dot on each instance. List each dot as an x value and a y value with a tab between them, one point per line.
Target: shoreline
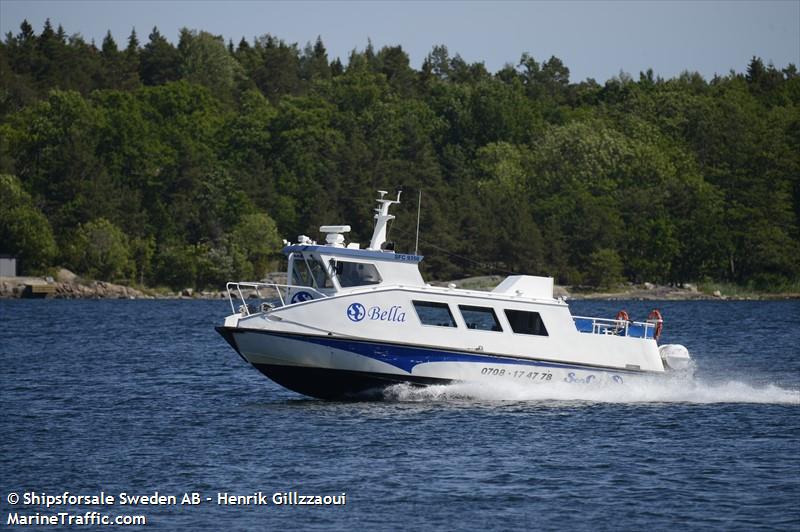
73	287
49	288
643	292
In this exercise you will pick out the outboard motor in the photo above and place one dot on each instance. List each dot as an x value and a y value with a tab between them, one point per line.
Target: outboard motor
675	356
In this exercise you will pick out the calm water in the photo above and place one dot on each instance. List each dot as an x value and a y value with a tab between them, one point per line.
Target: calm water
144	396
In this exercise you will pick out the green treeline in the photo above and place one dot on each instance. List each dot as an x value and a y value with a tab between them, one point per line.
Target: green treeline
185	165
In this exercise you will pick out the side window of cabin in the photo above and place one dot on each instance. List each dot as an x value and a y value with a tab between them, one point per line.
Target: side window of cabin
355	273
523	322
431	313
480	318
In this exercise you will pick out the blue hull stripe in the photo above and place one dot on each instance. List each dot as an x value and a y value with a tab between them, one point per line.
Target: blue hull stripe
406	357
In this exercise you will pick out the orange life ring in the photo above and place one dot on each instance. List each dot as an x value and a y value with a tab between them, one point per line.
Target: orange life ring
655	317
622	316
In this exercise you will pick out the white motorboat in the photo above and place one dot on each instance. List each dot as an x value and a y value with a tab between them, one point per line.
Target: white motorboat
350	322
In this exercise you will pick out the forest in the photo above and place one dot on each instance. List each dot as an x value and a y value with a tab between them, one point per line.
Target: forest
185	165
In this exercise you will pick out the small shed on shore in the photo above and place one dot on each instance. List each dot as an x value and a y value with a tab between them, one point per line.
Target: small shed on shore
8	266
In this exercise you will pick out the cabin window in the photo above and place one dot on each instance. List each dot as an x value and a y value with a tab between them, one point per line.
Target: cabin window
432	313
480	318
523	322
355	273
307	271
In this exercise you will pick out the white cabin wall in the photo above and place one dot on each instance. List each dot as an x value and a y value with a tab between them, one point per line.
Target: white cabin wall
564	343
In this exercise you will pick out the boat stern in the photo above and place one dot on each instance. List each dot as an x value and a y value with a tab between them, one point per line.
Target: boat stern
675	356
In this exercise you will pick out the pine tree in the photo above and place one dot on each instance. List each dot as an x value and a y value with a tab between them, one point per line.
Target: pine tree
159	61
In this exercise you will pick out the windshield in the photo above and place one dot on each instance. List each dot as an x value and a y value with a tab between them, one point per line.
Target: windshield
308	271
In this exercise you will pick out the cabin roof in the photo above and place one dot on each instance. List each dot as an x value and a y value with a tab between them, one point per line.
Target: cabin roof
354	253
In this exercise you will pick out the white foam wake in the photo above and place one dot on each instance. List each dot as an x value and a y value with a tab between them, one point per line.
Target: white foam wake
644	390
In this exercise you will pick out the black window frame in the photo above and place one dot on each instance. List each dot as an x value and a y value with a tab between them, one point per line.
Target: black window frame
512	321
438	305
498	327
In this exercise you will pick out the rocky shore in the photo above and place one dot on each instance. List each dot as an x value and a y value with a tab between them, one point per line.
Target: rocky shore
642	292
66	285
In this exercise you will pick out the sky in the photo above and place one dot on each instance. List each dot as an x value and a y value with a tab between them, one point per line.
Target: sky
595	39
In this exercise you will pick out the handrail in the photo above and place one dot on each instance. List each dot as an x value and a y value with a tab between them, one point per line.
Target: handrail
612	326
236	286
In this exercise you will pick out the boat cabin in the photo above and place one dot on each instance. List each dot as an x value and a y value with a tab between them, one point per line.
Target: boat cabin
330	270
320	270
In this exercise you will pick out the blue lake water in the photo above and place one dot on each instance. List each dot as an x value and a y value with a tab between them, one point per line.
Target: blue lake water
144	396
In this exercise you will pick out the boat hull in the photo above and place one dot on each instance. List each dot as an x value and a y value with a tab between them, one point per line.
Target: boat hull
337	384
328	367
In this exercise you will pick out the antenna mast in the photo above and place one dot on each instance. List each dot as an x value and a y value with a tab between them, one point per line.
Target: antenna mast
382	216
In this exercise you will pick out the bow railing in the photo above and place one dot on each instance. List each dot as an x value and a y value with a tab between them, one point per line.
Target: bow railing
267	295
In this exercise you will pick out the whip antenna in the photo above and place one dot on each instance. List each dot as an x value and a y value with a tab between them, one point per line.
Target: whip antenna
419	207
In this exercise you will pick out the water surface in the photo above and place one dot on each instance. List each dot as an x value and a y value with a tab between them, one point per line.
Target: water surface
144	396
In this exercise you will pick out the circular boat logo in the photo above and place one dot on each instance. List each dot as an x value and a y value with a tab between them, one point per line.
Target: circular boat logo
301	296
356	312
